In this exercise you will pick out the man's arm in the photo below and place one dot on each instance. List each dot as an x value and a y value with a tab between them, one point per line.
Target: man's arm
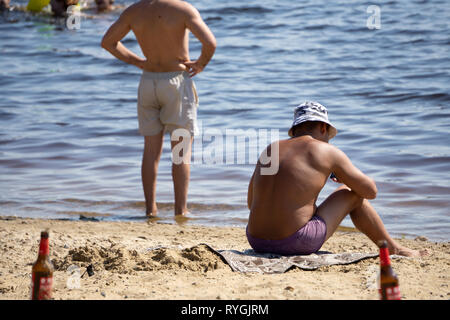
111	41
250	192
351	176
200	30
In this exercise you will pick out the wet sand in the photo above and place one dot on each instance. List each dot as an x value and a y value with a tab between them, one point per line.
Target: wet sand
180	267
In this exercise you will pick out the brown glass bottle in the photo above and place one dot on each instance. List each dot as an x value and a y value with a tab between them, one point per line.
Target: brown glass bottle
388	285
42	272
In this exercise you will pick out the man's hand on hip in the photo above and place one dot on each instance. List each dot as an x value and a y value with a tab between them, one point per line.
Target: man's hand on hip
140	63
194	67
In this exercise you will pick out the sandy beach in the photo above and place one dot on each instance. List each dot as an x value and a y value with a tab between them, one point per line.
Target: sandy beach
180	267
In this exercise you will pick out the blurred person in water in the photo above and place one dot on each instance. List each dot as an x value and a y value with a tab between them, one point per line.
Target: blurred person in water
104	5
4	4
59	7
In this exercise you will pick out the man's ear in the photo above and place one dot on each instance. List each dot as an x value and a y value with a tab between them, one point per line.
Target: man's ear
323	127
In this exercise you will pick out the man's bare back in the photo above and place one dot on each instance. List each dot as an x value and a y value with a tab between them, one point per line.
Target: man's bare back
284	217
162	30
285	202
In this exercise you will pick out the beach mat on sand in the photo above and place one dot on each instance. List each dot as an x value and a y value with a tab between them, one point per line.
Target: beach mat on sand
251	261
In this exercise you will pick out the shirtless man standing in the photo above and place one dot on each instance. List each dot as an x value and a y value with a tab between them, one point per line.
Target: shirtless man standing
167	97
284	218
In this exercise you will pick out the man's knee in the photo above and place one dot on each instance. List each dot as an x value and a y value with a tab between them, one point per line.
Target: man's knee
355	199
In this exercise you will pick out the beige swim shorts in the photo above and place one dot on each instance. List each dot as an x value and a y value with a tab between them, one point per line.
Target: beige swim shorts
167	100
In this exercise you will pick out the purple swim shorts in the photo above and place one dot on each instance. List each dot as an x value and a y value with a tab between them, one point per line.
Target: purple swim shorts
308	239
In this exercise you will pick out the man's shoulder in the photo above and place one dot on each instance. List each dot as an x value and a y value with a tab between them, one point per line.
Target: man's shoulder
185	7
324	148
132	9
318	150
310	144
182	4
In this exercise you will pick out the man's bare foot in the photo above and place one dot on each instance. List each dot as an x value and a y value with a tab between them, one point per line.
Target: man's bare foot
151	210
150	214
403	251
182	218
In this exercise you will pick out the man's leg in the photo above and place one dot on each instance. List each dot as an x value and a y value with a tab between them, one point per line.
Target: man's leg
343	201
181	173
150	160
334	208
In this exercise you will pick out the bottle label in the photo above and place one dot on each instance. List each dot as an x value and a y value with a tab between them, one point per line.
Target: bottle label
43	247
41	287
384	257
390	293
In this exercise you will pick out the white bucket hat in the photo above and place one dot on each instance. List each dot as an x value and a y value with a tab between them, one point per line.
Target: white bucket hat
311	111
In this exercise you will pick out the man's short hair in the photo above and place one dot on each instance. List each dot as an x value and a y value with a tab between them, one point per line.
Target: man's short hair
307	126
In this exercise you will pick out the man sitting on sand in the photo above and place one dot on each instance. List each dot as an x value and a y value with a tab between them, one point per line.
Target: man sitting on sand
284	218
